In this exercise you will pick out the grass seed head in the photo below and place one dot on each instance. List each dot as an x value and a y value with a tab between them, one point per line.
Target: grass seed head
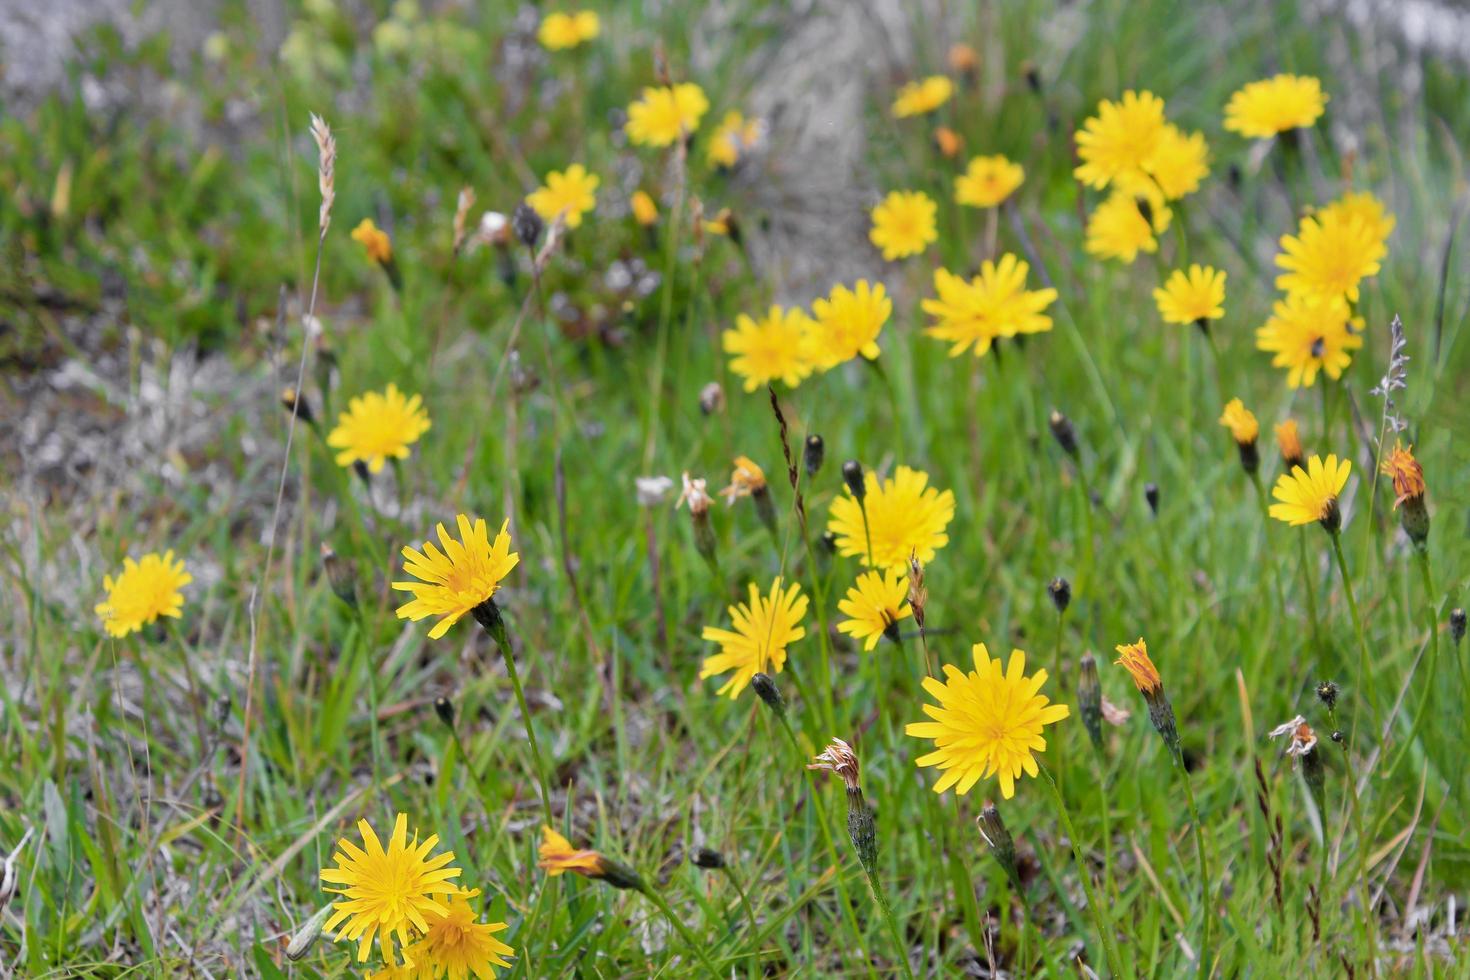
326	169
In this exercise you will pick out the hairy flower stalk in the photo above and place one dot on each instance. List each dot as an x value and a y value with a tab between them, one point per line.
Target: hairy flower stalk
488	615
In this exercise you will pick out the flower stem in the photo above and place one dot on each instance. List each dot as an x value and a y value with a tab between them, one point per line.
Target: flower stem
683	930
1312	602
900	947
494	624
1347	588
755	945
1206	911
1104	933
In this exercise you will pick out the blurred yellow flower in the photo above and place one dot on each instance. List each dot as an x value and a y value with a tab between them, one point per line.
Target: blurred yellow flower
773	348
874	604
1178	163
645	211
988	181
374	241
666	114
145	590
905	516
378	427
1404	470
572	192
847	323
560	31
1262	109
1310	495
452	582
1120	139
1126	223
1309	334
1364	206
903	224
733	136
763	628
1196	296
1240	421
557	856
1330	254
924	96
994	304
1289	440
948	142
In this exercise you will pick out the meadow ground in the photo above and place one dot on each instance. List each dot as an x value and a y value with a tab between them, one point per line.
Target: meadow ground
1275	786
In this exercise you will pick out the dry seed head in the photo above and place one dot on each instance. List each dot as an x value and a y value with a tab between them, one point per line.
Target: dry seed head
839	758
326	169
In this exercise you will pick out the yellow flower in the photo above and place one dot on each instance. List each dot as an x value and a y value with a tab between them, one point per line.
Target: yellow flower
467	573
1310	494
903	224
948	142
1309	334
1120	139
562	31
557	856
987	181
994	304
387	892
1178	162
733	136
573	192
988	722
1329	255
1263	109
1133	657
874	604
1406	473
1196	296
762	630
1238	419
774	348
374	241
1126	223
458	945
1289	440
905	516
666	114
378	427
918	98
847	323
746	480
645	212
1362	205
146	589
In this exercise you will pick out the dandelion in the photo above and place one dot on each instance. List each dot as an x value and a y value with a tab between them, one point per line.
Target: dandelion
903	224
774	348
1308	334
1329	256
994	304
732	137
1310	495
874	605
1289	441
458	945
1134	658
763	628
374	241
145	590
988	181
561	31
645	211
665	114
847	323
557	856
378	427
387	892
461	578
1120	139
1265	108
1126	224
922	97
1408	485
1365	207
570	193
904	516
1196	296
988	722
1178	163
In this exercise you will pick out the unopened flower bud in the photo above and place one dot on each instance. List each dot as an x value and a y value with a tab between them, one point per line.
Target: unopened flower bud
1151	494
708	859
766	689
828	543
298	404
307	935
1061	593
341	575
527	224
1089	698
918	591
1065	434
1457	625
813	454
852	475
999	842
444	708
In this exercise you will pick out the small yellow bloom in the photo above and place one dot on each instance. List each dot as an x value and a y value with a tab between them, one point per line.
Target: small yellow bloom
374	241
774	348
645	212
458	945
903	224
1133	657
1289	440
1120	139
560	31
1406	473
1240	421
1178	163
733	136
1364	206
921	97
1309	334
763	628
145	590
666	114
948	142
1126	223
963	59
994	304
378	427
1196	296
573	193
874	604
557	856
905	516
1310	494
466	574
847	323
1274	105
1330	254
988	181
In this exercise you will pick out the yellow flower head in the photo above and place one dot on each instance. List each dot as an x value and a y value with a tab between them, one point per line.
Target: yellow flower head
645	211
560	31
1309	334
1406	473
1126	223
747	479
1289	440
1310	494
847	323
458	945
1196	296
1133	657
905	516
666	114
378	427
1178	163
146	589
454	581
918	98
1120	139
1330	255
733	136
572	192
994	304
987	181
557	856
903	224
374	241
874	604
387	892
987	722
1240	421
1262	109
762	630
1365	207
948	142
773	348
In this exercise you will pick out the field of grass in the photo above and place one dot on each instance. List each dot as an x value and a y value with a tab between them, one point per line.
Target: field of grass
169	798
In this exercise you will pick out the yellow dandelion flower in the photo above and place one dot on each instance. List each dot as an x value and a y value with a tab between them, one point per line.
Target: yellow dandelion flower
378	427
1406	473
1311	494
847	323
645	211
1274	105
666	114
1309	334
1126	224
874	606
374	241
1196	296
903	224
988	181
1240	421
994	304
988	722
458	945
773	348
906	517
467	573
557	856
1134	658
560	31
733	136
1330	255
1178	163
1364	206
921	97
572	192
387	892
145	590
1120	139
763	628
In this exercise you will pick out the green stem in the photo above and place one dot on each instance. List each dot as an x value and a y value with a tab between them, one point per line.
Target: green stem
1207	914
1311	591
1104	931
755	939
495	625
694	945
1363	660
